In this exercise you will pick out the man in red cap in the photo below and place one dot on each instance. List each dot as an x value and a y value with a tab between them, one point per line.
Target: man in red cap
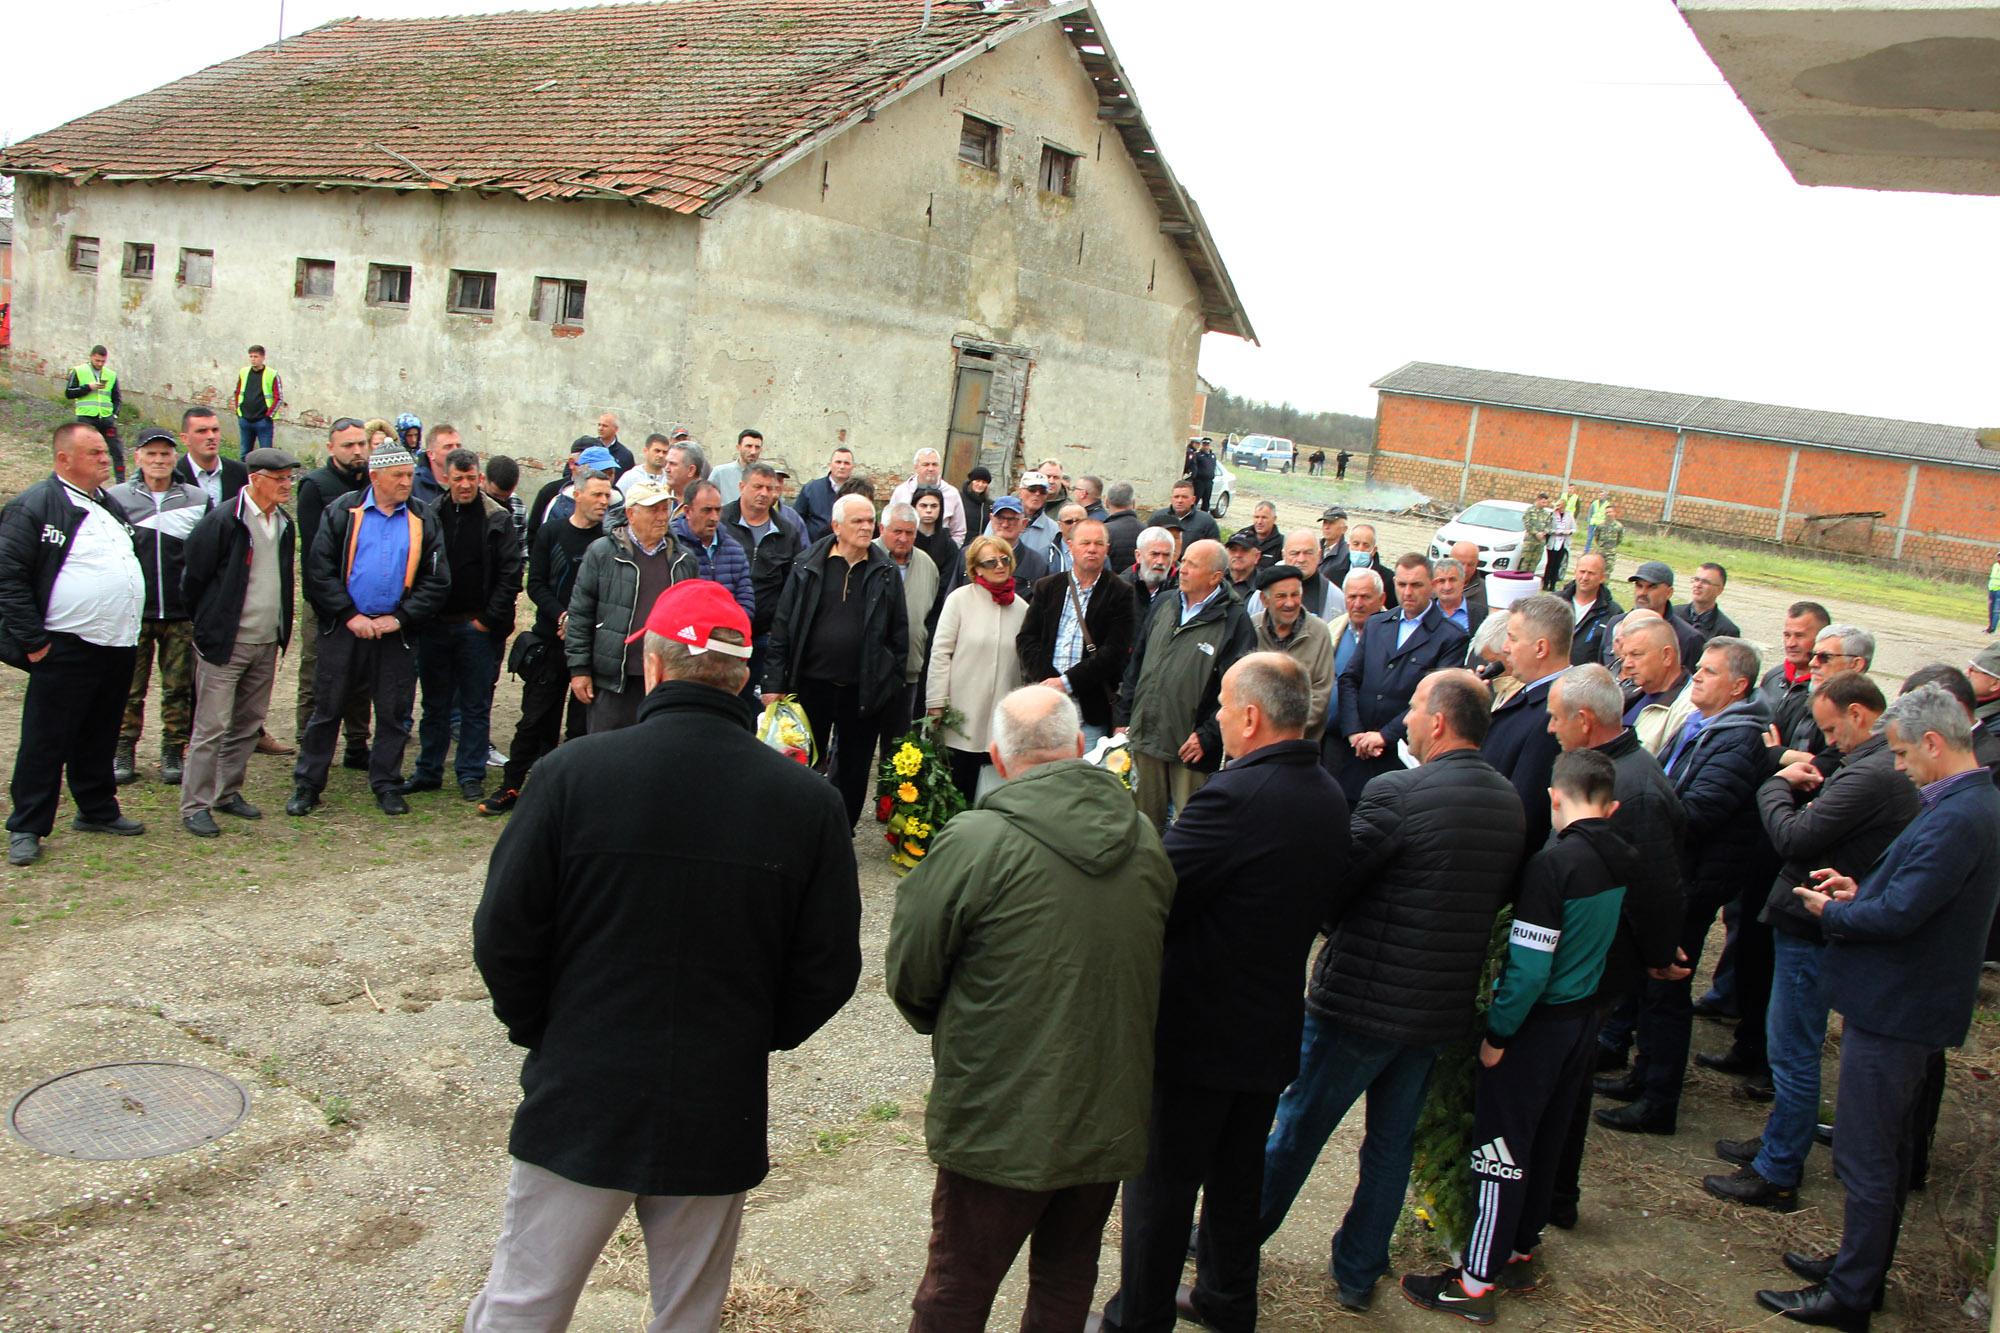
650	987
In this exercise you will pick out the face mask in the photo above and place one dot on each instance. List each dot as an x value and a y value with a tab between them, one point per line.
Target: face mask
1356	559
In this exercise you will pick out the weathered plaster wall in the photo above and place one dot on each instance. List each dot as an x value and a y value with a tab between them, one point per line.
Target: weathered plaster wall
820	309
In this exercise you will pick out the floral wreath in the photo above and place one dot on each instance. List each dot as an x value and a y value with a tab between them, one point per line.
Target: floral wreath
914	791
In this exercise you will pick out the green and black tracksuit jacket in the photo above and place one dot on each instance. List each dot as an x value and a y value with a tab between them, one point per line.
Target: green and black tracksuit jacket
1565	920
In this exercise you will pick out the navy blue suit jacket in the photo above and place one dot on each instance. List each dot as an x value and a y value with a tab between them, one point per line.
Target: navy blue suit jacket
1902	958
1519	745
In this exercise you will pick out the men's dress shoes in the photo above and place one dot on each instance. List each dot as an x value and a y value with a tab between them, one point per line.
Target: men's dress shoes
1815	1270
1707	1008
1752	1191
1739	1152
1758	1088
471	791
236	805
391	802
23	849
1609	1059
1815	1305
269	744
1729	1062
302	802
1619	1087
1638	1118
415	785
122	827
202	824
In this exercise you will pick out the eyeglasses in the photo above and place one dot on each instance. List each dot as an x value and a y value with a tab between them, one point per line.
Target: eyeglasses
1067	522
1821	659
991	562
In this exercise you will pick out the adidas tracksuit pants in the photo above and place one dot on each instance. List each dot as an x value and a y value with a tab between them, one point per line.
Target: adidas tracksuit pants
1521	1115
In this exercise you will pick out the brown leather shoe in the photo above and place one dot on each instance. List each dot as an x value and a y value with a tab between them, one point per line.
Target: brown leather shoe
269	744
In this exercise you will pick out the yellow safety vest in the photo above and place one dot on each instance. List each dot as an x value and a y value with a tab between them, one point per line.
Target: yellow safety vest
243	382
96	403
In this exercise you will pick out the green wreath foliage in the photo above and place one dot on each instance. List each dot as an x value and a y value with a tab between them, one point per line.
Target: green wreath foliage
1441	1184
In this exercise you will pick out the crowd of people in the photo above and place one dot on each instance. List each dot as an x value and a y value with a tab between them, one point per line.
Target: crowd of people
1109	978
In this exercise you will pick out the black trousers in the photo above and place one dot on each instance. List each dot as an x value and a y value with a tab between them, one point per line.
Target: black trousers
69	724
836	710
1552	569
1879	1116
1666	1013
1209	1140
544	697
1522	1108
1566	1189
387	669
1756	962
108	428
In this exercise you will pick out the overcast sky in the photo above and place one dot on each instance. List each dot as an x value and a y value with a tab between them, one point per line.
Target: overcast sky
1562	188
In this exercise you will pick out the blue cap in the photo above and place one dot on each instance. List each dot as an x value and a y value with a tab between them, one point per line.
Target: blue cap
408	421
598	459
1008	504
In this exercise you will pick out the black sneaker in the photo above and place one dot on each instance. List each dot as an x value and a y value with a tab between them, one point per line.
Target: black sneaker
302	802
123	826
500	802
1739	1152
237	806
471	791
391	802
415	785
1444	1293
202	824
1752	1191
1519	1276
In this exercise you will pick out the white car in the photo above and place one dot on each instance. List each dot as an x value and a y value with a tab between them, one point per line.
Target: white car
1496	527
1222	492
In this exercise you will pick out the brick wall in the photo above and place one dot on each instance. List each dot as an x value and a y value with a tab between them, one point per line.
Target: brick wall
1728	486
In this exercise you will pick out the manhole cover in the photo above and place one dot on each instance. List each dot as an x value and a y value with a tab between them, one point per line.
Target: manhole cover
118	1112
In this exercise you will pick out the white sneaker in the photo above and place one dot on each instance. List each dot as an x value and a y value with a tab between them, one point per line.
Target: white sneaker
494	759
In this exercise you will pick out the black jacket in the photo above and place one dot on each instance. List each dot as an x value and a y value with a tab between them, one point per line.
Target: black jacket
1244	917
35	531
1725	850
1112	617
538	508
234	476
770	560
317	489
216	576
650	979
885	627
326	568
1519	746
1122	529
1686	637
1589	639
551	579
1196	527
1270	549
1719	622
500	567
1790	706
1649	818
1847	824
1436	851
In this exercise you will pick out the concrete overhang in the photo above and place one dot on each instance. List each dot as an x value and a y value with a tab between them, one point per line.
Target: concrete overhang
1879	95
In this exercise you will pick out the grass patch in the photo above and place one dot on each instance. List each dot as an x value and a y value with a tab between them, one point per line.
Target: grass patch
1815	576
337	1110
881	1111
829	1142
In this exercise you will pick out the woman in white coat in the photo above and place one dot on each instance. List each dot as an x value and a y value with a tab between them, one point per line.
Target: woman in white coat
973	660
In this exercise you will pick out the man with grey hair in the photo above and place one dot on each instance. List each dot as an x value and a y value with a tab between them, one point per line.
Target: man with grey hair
1001	935
1519	744
1152	573
1242	923
1902	968
1264	534
686	464
1467	555
1448	586
919	573
1173	684
646	1086
927	469
1364	594
1122	525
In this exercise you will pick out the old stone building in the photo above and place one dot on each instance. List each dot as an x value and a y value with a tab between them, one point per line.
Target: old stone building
1899	490
886	223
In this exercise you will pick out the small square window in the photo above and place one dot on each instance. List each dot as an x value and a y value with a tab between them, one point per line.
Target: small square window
388	284
470	293
558	301
979	143
197	268
138	260
1058	171
313	279
83	254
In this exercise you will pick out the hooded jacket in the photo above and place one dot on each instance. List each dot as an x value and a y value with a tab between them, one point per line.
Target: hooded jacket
649	986
1436	852
1847	824
603	605
1028	945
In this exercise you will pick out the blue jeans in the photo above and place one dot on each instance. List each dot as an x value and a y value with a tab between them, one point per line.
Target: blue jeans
1992	610
455	667
1336	1067
1796	1028
252	435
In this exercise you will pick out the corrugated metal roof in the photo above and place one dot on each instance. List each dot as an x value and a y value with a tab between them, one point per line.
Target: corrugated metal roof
681	105
1883	436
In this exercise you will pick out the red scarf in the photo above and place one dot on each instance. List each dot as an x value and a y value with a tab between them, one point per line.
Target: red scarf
1002	593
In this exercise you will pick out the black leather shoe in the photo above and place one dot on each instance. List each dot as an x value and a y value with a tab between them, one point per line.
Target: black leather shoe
201	824
122	827
1752	1191
1729	1062
415	785
1815	1305
391	802
1641	1117
236	805
1823	1134
471	791
1706	1008
302	802
1619	1087
1609	1059
1758	1088
1815	1270
1739	1152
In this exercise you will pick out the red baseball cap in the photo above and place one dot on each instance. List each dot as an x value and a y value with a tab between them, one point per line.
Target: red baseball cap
690	611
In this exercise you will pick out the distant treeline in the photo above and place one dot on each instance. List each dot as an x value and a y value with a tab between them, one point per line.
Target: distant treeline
1331	431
